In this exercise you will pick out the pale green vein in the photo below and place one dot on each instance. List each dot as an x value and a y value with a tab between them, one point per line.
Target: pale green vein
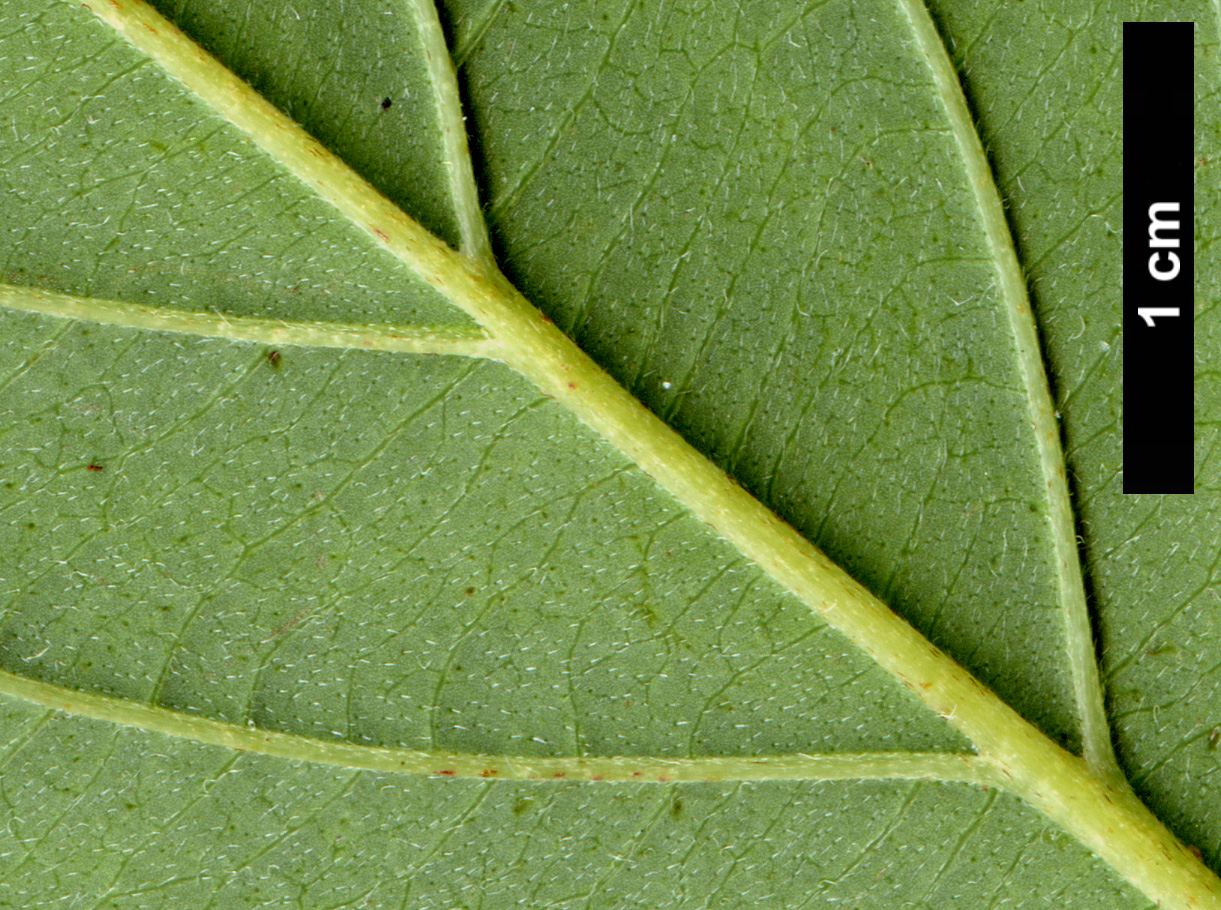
457	341
932	766
456	277
469	38
1097	810
471	225
1097	747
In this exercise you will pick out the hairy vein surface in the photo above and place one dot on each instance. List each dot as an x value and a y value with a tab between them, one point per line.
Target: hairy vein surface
455	341
1097	746
969	769
471	226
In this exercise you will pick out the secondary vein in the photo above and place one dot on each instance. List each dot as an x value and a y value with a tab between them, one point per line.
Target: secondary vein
1097	747
471	225
456	341
933	766
468	39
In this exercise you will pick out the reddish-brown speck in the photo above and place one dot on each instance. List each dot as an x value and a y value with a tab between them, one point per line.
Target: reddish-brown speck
560	774
635	774
487	772
1195	851
663	780
572	385
596	777
447	772
94	467
381	235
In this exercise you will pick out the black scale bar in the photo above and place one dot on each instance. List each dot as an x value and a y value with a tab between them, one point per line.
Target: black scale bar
1159	261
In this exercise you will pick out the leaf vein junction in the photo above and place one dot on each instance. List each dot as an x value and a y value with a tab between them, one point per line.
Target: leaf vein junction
1097	747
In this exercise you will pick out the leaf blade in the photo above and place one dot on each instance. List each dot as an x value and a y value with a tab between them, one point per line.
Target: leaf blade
476	804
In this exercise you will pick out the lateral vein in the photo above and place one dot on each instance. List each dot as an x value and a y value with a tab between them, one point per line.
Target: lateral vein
931	766
1097	747
441	76
456	341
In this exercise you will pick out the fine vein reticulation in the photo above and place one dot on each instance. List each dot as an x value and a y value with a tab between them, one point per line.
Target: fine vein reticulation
1085	800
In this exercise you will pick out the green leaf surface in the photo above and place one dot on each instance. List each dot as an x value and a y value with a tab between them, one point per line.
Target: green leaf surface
253	534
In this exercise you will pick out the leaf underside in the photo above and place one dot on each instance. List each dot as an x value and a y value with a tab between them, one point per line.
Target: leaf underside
758	225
